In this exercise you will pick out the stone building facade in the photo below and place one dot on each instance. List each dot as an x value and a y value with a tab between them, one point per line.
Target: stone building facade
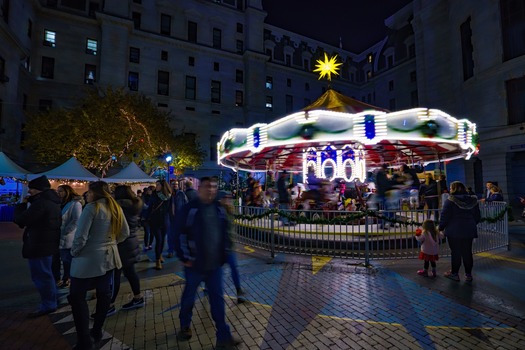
216	65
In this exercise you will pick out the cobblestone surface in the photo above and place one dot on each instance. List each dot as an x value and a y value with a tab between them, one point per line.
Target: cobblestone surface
290	305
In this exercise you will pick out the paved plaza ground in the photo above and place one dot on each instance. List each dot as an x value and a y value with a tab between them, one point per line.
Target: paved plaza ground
295	302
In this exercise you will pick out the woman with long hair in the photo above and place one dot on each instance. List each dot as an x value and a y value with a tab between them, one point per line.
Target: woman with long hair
459	219
101	227
129	249
158	217
71	209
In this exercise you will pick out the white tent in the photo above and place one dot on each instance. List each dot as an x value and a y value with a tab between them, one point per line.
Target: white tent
8	168
131	173
70	170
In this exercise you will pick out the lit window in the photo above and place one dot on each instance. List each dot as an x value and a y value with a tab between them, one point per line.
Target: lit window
269	103
370	57
90	74
269	83
91	47
49	38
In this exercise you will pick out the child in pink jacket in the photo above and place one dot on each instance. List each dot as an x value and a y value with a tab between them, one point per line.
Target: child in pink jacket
429	239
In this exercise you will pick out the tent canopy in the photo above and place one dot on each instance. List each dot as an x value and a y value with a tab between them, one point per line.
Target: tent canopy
9	168
70	170
131	173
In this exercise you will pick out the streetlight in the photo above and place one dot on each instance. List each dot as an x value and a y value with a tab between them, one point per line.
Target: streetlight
168	159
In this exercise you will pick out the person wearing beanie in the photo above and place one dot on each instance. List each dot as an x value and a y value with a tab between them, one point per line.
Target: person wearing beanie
40	183
42	220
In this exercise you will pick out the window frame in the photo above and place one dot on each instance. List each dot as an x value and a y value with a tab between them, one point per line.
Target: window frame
215	96
133	85
190	93
163	81
90	48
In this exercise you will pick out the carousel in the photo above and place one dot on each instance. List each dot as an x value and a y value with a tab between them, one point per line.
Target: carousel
340	137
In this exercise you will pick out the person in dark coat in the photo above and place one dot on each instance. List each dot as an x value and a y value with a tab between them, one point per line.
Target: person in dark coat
42	221
430	191
129	249
202	245
459	219
158	216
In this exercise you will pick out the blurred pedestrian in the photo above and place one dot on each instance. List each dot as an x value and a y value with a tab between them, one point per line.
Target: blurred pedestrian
178	200
203	241
226	200
158	218
459	219
95	255
41	217
148	236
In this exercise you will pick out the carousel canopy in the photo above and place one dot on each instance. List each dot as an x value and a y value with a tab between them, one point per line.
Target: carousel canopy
8	168
340	128
131	173
70	170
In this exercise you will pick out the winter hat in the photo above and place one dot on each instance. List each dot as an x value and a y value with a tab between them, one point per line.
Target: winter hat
40	183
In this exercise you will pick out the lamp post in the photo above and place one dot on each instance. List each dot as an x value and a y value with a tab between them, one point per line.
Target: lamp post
168	159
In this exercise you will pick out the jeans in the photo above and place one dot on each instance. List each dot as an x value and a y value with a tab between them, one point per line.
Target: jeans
284	206
232	261
213	281
79	306
461	250
44	281
65	256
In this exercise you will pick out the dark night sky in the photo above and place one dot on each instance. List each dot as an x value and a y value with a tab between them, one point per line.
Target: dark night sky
360	23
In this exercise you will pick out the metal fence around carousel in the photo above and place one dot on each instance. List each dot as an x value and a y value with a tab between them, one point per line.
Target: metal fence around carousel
362	235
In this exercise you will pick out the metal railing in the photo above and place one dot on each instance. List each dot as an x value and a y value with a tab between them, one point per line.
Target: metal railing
385	234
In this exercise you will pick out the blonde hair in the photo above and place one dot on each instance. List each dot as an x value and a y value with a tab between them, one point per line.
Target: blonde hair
430	178
100	189
430	227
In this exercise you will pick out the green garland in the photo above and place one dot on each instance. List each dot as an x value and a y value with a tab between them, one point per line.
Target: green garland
351	218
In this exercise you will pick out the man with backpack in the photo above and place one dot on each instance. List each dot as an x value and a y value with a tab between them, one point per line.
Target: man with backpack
178	200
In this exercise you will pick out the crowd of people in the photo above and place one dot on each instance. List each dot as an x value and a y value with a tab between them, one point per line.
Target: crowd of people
86	242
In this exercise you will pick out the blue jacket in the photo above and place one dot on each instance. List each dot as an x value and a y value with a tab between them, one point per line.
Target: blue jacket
190	234
460	216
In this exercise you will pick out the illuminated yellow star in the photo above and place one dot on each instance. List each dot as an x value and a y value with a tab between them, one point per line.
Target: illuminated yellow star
327	67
